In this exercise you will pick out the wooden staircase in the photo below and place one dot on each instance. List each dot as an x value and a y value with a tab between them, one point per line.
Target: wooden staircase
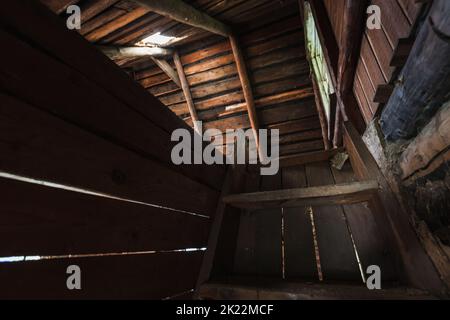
309	232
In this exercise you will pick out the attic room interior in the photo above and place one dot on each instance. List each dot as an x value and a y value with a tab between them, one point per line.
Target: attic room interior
354	96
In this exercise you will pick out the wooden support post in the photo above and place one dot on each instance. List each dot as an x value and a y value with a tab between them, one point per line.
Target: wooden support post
115	53
321	111
246	87
337	138
179	11
167	68
186	91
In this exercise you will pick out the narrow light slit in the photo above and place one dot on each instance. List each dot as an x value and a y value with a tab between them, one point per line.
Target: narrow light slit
309	211
361	270
88	192
92	255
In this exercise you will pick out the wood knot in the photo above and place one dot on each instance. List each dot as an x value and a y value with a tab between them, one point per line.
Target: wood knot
118	177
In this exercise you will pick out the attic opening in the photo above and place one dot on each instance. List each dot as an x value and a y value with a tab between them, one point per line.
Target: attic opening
157	39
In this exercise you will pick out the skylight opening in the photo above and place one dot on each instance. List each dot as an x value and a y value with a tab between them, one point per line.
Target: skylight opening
157	39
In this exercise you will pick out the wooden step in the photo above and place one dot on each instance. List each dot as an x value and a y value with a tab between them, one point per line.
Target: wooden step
310	157
338	194
281	290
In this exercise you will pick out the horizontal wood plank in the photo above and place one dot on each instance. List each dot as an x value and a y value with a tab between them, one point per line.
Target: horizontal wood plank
152	276
40	220
40	146
346	193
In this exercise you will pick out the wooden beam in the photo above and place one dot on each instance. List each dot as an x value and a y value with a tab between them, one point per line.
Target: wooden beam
304	158
208	258
321	111
186	91
429	150
115	53
338	194
424	84
246	87
184	13
167	68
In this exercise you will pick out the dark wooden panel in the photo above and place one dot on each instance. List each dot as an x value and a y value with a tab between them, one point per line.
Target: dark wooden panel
152	276
38	220
337	256
300	260
38	145
268	233
81	62
245	260
372	249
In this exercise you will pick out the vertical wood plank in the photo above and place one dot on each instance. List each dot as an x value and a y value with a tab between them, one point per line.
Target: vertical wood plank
245	260
336	250
300	261
268	233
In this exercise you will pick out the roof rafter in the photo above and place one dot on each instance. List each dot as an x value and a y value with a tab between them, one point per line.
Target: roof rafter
184	13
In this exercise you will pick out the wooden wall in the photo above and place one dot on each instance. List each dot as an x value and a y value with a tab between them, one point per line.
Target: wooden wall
380	49
71	117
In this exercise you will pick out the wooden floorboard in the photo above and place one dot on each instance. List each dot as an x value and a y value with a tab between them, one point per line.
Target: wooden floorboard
337	256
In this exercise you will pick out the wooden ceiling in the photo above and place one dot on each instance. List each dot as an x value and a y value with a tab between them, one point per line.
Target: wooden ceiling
270	34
